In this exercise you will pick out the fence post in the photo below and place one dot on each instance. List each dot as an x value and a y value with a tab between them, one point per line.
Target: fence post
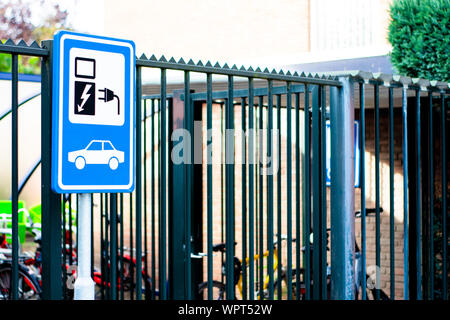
342	191
51	202
177	197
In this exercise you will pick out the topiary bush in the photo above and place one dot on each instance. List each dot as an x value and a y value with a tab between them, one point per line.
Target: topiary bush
419	33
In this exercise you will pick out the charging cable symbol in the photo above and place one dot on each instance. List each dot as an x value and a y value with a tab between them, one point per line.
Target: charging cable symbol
108	95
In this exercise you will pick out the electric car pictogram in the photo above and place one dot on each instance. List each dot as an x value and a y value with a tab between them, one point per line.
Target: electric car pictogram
97	152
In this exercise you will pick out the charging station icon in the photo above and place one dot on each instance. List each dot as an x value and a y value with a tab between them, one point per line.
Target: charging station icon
95	97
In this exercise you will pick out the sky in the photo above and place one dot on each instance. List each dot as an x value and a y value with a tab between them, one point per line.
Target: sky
83	15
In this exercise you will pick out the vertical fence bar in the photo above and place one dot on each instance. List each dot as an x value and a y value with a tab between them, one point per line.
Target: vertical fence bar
138	184
229	183
70	228
279	221
419	200
307	196
270	188
260	201
289	190
430	285
51	202
64	254
363	188
177	213
131	246
92	236
76	223
209	184
158	196
189	122
297	196
222	194
152	198
102	248
121	232
316	193
323	196
244	200
162	189
144	119
391	193
14	177
377	191
106	247
444	196
405	194
257	147
251	212
342	192
113	226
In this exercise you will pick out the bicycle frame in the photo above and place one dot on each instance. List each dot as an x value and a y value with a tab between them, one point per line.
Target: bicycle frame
256	257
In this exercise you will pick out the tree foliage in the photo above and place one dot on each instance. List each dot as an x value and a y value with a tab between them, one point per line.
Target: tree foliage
16	23
419	33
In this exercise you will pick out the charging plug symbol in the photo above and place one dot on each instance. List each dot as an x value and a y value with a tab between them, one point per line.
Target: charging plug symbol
109	95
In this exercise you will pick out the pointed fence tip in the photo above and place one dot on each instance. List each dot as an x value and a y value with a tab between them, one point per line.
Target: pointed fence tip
34	44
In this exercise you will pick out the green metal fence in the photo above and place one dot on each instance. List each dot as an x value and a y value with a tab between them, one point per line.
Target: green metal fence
198	229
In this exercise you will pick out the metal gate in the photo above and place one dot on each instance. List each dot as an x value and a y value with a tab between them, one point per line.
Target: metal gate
247	212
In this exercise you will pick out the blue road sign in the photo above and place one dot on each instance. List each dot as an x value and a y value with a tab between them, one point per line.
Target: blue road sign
328	153
93	114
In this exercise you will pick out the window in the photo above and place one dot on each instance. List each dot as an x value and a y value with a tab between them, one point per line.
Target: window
344	24
107	146
95	145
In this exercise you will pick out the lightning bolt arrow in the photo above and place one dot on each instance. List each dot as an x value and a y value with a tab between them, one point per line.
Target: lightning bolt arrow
84	97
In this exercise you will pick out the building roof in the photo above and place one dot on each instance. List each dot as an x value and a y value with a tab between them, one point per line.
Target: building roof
371	64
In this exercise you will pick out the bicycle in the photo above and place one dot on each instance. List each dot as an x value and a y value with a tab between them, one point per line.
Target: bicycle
30	266
126	280
219	287
28	287
370	289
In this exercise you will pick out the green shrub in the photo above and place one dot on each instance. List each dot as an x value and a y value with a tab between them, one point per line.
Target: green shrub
28	65
419	33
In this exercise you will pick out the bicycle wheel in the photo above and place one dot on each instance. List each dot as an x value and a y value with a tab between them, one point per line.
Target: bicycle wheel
28	287
126	281
129	279
218	290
